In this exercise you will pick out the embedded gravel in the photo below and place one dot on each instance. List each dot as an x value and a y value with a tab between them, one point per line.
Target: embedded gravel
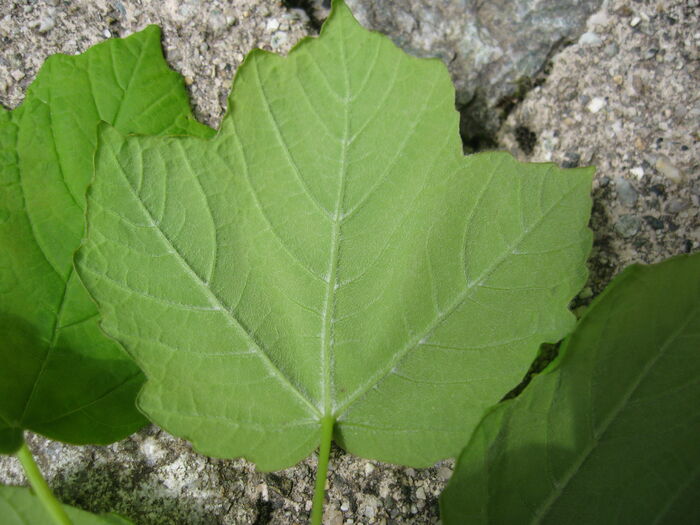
624	97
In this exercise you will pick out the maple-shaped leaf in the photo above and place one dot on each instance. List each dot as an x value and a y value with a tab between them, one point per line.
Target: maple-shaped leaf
59	374
608	434
330	262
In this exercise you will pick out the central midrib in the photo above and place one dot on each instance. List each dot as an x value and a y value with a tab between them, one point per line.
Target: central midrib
328	311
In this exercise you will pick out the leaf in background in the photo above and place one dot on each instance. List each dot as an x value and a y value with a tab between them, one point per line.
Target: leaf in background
18	506
59	374
610	432
331	255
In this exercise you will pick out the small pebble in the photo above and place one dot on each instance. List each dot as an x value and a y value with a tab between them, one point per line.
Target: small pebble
637	172
278	39
638	85
611	50
17	75
658	190
46	24
444	473
626	193
369	468
334	517
628	226
217	21
650	53
571	159
600	18
635	21
695	188
666	168
589	39
672	226
420	493
272	25
677	206
596	104
119	7
654	222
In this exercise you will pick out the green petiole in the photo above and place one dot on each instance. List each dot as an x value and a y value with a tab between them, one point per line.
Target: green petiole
41	488
322	470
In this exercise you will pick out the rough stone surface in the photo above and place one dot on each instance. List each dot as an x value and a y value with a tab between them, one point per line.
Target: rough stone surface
643	134
493	48
639	58
156	479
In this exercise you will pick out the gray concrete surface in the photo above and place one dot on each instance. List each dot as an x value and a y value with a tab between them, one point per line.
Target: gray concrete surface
492	48
624	97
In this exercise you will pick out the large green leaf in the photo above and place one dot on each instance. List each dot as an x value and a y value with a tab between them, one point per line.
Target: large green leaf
18	506
59	374
331	254
611	432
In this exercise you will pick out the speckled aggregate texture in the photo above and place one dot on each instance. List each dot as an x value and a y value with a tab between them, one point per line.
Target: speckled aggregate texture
205	41
491	48
625	98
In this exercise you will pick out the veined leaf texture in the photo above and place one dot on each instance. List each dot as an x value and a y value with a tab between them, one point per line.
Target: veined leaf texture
60	375
609	433
331	253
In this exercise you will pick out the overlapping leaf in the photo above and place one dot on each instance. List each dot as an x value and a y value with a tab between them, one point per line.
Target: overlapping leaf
59	374
331	254
610	434
18	506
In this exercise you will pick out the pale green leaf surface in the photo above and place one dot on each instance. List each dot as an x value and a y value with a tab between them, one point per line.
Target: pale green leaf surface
18	506
609	434
59	374
331	252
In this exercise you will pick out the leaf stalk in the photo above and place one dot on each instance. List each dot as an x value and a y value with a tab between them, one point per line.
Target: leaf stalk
324	452
53	507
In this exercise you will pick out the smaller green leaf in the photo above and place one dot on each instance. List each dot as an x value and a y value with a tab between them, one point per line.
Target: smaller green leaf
18	506
610	432
59	374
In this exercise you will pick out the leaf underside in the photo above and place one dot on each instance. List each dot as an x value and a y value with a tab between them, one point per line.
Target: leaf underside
331	253
608	435
18	506
59	374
